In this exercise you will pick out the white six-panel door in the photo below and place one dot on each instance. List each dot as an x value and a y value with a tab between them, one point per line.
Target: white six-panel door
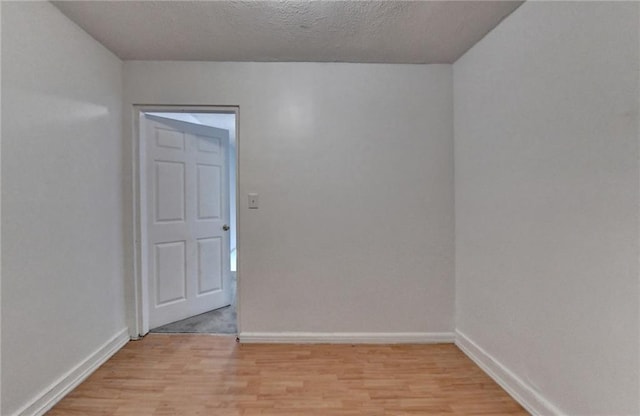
187	210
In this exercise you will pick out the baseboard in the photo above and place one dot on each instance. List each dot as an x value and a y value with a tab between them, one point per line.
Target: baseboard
61	387
346	337
522	392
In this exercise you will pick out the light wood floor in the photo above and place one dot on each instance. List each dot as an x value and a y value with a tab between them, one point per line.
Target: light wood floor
212	375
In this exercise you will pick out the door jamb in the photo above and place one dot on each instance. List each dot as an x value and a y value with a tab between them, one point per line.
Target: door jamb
140	282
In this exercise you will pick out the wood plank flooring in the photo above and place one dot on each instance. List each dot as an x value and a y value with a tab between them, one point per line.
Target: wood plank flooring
213	375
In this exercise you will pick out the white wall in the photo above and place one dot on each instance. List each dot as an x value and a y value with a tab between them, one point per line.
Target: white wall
62	257
354	167
546	167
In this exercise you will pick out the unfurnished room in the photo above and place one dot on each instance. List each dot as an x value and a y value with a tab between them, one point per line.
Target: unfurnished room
335	208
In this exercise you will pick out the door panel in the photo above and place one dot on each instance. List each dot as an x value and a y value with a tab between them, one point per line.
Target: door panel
209	195
208	144
188	205
169	191
170	272
209	262
169	139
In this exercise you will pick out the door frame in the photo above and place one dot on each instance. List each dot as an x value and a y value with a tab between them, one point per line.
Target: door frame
140	278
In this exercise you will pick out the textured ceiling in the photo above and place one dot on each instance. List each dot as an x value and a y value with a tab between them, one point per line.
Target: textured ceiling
302	31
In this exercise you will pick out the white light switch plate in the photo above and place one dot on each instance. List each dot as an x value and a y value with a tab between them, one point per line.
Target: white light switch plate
253	201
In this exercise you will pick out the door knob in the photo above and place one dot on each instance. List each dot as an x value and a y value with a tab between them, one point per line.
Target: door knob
225	227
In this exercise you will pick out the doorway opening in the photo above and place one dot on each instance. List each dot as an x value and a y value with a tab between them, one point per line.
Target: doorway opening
188	220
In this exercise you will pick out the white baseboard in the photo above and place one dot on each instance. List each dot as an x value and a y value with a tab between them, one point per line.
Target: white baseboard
522	392
346	337
61	387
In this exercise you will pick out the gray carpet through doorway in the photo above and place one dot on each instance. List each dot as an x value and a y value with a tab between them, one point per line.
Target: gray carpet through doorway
218	321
